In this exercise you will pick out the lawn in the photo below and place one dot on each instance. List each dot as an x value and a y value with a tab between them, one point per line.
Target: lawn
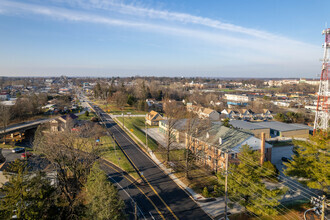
113	109
108	150
227	90
135	124
84	117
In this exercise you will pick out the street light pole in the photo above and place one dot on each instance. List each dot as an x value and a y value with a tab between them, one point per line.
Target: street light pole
226	185
147	135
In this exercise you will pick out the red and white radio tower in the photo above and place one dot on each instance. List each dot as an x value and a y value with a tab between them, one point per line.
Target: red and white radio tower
322	115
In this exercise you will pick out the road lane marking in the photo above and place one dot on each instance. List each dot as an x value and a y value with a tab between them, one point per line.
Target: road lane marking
153	189
153	204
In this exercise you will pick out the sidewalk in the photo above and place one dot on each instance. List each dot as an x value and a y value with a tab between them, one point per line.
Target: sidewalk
212	208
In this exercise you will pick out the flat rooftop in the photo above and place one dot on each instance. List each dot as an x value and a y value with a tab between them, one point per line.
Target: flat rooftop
280	126
245	125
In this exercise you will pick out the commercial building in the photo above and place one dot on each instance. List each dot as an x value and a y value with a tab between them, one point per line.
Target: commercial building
253	128
210	145
280	129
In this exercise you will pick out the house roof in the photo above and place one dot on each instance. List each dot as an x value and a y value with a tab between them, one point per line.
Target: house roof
152	114
266	110
208	111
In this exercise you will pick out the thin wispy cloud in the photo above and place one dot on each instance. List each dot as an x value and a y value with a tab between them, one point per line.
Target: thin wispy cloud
247	44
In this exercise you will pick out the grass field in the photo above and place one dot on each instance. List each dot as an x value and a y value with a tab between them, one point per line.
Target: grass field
113	109
108	150
226	90
89	117
135	124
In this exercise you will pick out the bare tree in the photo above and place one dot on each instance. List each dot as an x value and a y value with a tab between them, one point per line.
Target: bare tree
120	99
5	116
72	153
173	113
193	126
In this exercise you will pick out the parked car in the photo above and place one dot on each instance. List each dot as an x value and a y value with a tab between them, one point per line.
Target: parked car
26	155
18	150
285	159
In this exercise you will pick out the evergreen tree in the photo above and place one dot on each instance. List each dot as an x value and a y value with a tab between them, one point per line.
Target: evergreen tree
27	195
226	123
102	196
245	184
311	161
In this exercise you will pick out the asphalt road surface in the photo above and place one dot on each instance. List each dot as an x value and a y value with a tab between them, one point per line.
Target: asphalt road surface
171	201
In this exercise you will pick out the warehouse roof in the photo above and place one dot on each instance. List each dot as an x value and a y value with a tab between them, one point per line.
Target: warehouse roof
280	126
245	125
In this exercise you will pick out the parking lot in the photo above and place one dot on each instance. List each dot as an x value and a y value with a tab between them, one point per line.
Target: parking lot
278	153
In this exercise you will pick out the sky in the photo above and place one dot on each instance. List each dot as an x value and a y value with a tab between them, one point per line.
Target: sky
208	38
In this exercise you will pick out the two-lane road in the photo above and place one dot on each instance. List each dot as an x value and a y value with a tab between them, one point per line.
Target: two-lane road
170	199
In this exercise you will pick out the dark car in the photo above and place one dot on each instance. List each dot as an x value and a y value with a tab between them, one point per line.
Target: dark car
18	150
285	159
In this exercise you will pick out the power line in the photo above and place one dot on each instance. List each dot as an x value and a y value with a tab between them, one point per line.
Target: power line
280	210
291	183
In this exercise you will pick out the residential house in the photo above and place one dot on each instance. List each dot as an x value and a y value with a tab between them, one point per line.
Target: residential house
61	123
204	113
153	118
267	114
154	105
247	114
4	96
231	114
178	129
207	113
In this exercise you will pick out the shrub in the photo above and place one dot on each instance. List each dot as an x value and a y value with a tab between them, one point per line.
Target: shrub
205	192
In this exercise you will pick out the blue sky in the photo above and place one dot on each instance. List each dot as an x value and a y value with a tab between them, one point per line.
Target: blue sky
213	38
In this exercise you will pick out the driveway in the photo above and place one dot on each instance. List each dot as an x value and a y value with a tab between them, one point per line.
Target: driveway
278	153
296	190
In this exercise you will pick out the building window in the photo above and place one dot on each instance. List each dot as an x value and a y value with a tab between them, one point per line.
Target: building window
216	151
222	155
233	156
210	158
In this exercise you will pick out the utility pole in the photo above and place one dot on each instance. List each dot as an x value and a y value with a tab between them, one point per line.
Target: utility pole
122	114
323	208
147	135
135	211
226	184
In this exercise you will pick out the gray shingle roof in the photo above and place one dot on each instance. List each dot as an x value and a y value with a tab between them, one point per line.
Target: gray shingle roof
230	137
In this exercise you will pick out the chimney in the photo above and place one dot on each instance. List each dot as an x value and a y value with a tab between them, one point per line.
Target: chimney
262	148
